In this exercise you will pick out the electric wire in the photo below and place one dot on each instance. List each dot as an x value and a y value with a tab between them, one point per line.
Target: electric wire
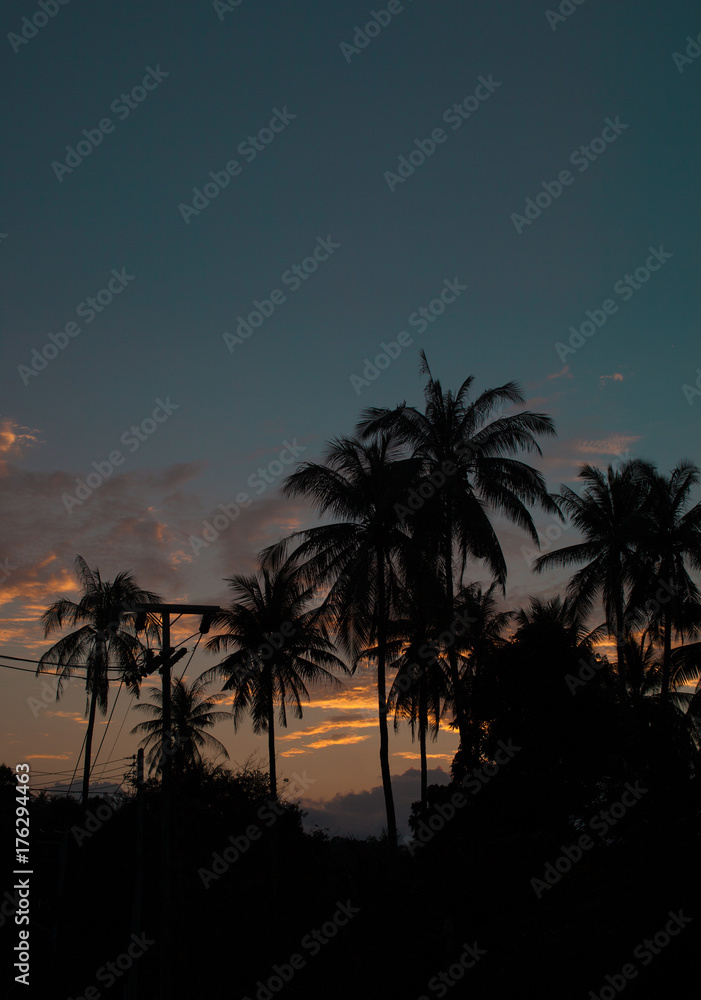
114	705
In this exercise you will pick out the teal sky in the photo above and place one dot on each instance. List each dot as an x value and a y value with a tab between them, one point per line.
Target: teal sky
325	179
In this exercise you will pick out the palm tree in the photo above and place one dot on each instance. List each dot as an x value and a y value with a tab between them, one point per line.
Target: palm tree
420	688
106	640
611	514
467	477
358	556
279	644
672	538
418	694
192	715
477	610
562	614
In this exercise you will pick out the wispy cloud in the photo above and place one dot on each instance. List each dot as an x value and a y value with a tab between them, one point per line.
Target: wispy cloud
563	373
616	377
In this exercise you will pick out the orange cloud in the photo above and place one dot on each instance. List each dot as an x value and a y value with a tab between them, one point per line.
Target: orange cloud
563	373
336	741
14	439
616	377
431	756
48	756
616	444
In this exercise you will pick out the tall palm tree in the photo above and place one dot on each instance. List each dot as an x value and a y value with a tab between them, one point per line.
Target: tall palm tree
357	556
467	477
611	514
563	614
279	644
672	539
192	715
418	694
106	639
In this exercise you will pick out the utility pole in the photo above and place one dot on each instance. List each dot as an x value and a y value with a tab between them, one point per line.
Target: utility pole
167	658
132	990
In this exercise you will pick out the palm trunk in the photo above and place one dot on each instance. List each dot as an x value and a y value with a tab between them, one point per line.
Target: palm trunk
423	725
460	712
271	739
382	703
620	652
667	653
88	746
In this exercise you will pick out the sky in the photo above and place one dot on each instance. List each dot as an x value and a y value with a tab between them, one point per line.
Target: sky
222	223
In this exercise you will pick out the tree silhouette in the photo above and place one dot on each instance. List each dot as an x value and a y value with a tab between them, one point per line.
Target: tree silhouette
463	451
279	645
672	538
192	715
357	556
105	639
611	516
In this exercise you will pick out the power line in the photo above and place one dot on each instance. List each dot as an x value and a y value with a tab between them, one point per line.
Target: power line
122	726
114	705
28	670
115	760
194	650
50	663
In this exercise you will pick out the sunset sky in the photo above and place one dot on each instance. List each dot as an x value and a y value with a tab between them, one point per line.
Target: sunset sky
178	163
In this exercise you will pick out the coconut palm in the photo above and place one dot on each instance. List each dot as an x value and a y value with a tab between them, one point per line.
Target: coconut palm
279	645
358	556
467	478
192	715
611	514
105	640
562	614
672	539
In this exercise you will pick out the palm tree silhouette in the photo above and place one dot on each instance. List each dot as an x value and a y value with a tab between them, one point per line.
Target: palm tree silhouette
458	446
358	556
192	715
672	537
279	645
611	514
421	687
106	639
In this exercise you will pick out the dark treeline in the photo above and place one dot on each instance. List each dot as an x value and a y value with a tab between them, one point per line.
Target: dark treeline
562	858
